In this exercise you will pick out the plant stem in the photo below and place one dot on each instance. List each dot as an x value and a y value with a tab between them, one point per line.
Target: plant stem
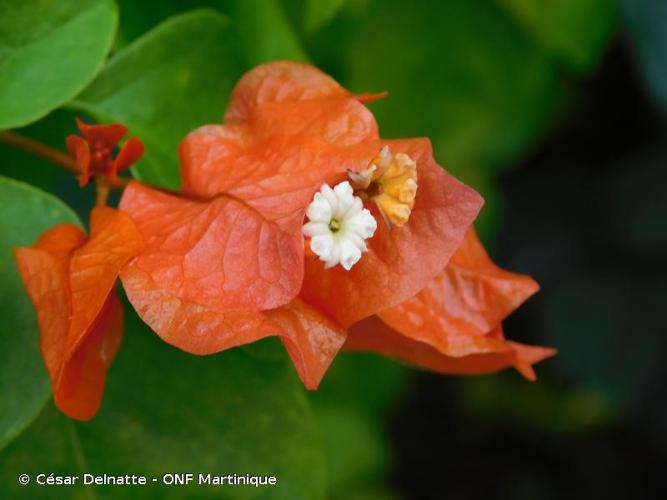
102	194
36	148
56	157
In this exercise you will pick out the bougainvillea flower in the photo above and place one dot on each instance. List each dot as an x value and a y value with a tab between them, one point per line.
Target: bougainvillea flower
338	226
226	261
454	324
70	280
94	151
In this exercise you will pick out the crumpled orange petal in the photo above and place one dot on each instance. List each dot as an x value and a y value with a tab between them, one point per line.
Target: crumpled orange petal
311	340
467	300
281	81
70	281
218	253
281	119
371	334
454	324
191	326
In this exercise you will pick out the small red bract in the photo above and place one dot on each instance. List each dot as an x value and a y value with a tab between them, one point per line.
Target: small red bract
94	152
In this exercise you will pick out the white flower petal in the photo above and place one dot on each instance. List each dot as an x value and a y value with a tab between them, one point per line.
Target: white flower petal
323	245
345	243
354	209
316	228
320	209
334	257
364	224
345	196
357	240
331	197
349	254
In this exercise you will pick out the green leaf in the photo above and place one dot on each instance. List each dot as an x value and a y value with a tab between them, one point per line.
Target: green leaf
357	450
573	31
265	32
172	80
460	72
138	17
49	51
242	411
263	29
24	384
320	12
351	407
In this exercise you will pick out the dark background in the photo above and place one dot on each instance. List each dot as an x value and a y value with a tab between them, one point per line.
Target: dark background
585	215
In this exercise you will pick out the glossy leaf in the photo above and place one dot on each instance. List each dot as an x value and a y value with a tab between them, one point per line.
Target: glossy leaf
262	29
24	385
136	18
163	85
319	12
246	414
265	32
573	31
49	51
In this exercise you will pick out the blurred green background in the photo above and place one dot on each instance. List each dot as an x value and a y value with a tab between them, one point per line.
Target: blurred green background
555	110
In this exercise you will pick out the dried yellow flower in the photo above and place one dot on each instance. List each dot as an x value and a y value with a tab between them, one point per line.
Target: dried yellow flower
391	182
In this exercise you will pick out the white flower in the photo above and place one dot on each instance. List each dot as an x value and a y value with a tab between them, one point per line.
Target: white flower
338	225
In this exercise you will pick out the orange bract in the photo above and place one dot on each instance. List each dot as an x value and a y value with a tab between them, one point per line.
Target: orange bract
224	262
454	324
371	334
70	281
311	340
